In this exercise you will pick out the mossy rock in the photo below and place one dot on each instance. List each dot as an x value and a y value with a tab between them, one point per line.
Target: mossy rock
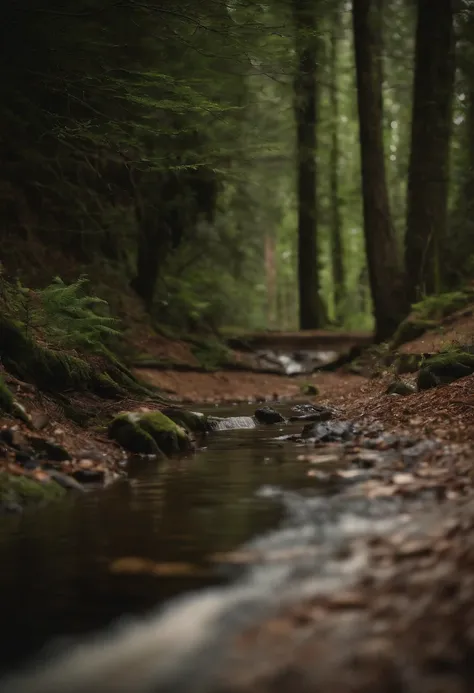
408	363
309	390
9	405
7	401
149	433
445	368
411	328
190	420
400	387
21	491
48	450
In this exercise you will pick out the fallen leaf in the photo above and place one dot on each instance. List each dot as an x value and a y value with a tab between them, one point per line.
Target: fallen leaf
402	479
350	473
132	565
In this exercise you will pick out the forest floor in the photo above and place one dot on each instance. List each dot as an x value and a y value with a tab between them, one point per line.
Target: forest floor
405	622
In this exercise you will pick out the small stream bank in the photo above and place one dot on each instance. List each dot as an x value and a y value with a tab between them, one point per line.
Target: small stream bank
299	507
177	511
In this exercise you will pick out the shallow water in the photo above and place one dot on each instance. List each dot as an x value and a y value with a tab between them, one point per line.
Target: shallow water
55	579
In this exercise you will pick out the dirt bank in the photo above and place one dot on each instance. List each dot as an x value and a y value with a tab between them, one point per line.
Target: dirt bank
243	386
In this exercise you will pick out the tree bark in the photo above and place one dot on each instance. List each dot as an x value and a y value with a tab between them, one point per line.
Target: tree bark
305	106
427	198
386	283
271	279
337	250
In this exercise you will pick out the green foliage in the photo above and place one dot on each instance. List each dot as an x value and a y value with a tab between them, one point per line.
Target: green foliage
211	353
440	305
27	492
63	315
445	368
149	433
71	318
6	398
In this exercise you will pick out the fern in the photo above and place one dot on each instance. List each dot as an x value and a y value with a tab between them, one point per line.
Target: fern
69	317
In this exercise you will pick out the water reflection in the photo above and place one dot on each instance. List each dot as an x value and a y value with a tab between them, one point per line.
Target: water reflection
55	579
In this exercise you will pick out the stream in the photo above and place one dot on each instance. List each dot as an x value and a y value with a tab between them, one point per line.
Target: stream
55	579
245	488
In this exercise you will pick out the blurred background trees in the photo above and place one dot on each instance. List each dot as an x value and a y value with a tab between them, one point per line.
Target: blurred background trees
205	157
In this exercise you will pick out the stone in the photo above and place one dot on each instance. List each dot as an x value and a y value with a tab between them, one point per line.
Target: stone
328	432
49	450
149	433
400	387
22	490
309	390
444	368
267	415
192	421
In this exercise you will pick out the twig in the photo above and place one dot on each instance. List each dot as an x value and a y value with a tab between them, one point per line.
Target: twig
458	401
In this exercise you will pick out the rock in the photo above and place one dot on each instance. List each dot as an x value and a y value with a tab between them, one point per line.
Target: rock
267	415
190	420
89	476
9	405
311	412
49	450
218	423
400	387
149	433
408	363
40	421
335	431
65	481
445	368
22	490
16	440
308	389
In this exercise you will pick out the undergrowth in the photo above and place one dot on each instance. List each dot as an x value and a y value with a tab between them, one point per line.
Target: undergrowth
63	315
61	338
439	306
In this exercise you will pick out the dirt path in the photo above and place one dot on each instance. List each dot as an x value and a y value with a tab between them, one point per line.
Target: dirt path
242	386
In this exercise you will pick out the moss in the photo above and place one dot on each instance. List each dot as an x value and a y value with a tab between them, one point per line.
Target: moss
59	371
408	363
411	328
399	387
440	306
426	379
170	437
445	368
6	398
24	491
150	433
212	354
309	389
8	405
126	431
190	420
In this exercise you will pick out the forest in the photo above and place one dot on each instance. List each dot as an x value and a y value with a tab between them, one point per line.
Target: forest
237	346
229	161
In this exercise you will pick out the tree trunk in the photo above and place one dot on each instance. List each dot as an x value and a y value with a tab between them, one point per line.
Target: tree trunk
337	250
150	252
271	280
427	200
305	100
384	274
